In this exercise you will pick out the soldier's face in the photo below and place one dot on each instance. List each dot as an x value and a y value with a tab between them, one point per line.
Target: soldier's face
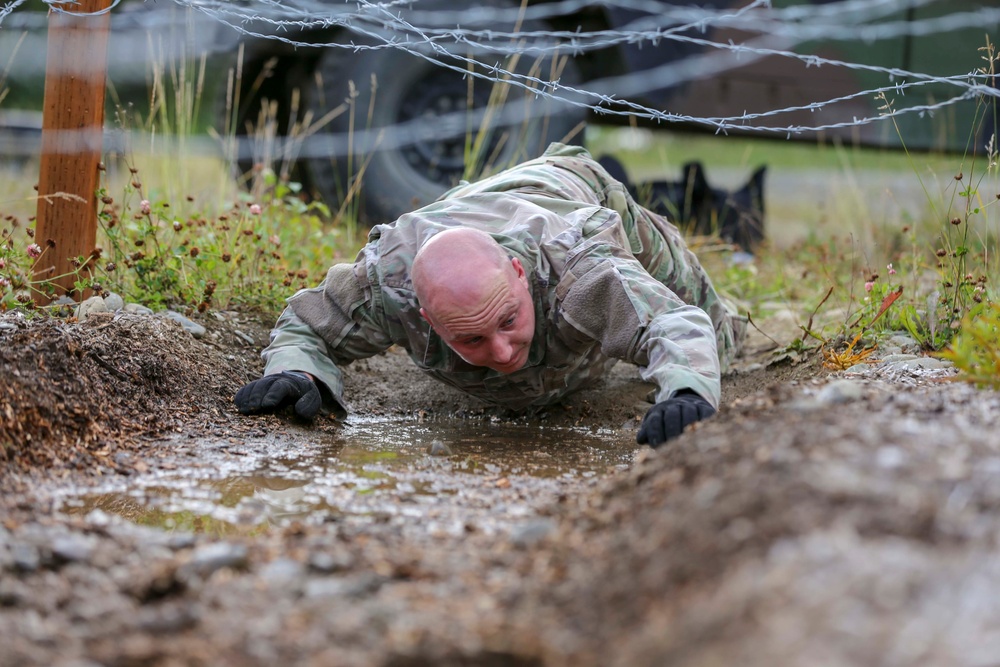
491	325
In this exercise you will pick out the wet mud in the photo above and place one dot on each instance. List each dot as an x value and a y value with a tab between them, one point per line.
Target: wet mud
454	475
841	519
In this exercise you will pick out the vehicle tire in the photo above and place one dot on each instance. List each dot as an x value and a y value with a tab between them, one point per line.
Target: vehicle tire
429	158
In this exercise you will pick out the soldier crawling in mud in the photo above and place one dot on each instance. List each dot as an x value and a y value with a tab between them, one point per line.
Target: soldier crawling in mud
518	290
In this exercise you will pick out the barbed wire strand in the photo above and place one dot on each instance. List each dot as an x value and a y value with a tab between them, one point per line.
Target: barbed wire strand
381	26
10	7
630	84
412	47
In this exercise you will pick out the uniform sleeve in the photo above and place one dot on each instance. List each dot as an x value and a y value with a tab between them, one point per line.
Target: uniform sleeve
612	299
324	328
296	347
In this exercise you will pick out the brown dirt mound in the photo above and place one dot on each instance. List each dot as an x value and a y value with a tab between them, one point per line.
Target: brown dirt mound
75	393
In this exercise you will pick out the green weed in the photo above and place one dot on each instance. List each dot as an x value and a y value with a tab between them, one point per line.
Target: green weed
975	349
191	242
22	258
249	255
18	251
179	255
937	276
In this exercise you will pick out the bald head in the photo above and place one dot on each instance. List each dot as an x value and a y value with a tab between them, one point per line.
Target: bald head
476	298
455	264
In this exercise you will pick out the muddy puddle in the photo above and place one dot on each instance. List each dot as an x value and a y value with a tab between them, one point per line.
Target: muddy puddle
437	478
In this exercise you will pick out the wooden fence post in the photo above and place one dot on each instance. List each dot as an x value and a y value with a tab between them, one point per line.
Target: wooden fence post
72	130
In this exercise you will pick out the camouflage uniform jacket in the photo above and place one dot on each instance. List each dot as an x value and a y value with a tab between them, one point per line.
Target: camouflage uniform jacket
609	280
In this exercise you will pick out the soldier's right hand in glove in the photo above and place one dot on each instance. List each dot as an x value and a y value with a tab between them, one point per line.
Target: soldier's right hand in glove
275	392
667	419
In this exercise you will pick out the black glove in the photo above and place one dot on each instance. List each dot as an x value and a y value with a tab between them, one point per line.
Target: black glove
274	392
668	418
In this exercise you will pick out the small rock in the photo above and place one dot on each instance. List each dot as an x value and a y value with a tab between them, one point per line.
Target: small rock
438	448
355	586
114	302
180	541
26	557
94	304
890	358
532	532
190	326
283	573
13	593
212	557
708	492
890	457
137	309
804	405
740	529
72	548
840	391
167	618
904	342
98	517
64	301
930	363
242	336
327	562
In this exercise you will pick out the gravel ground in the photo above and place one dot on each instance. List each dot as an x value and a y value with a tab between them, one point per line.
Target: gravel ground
821	518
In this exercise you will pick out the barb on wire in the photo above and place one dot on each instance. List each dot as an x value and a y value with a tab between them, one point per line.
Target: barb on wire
456	40
670	74
437	41
10	7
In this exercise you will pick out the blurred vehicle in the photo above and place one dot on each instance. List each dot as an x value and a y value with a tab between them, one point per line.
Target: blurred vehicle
383	130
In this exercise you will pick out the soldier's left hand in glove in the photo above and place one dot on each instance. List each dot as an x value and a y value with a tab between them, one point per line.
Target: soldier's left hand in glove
274	392
667	419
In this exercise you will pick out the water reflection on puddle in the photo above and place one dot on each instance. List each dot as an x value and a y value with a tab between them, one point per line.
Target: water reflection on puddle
376	470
